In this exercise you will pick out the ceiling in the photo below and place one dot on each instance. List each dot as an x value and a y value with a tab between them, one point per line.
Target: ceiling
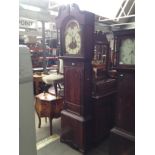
125	17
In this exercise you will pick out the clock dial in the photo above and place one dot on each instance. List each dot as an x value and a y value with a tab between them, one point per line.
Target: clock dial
127	52
72	37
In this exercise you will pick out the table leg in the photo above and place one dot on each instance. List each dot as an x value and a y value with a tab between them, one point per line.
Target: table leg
36	108
39	120
55	87
50	120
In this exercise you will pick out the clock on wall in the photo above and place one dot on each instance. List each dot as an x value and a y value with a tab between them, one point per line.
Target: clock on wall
72	37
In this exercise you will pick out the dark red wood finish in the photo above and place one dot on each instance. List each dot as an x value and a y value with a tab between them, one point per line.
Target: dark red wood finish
122	137
74	78
76	131
121	143
76	116
103	117
125	106
88	113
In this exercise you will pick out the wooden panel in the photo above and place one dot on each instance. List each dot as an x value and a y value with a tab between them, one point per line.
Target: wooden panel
73	87
104	86
43	108
103	117
73	108
121	143
125	107
75	131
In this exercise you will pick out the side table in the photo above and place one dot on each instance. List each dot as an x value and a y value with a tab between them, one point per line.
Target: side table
47	105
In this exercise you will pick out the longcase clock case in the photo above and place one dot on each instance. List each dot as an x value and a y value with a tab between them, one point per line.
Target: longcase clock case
122	135
76	116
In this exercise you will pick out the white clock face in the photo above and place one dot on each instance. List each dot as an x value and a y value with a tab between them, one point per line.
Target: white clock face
73	37
127	52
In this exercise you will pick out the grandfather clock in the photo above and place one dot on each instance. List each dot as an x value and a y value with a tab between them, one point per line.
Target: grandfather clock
122	136
76	38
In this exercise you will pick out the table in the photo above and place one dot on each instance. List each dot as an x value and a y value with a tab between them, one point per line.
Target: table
54	79
47	105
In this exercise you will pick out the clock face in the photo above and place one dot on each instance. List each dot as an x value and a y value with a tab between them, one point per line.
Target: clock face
127	52
73	38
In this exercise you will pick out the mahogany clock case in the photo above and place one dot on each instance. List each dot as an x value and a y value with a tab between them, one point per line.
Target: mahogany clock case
125	105
76	116
122	138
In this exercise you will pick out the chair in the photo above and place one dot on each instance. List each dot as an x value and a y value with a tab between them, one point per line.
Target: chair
55	78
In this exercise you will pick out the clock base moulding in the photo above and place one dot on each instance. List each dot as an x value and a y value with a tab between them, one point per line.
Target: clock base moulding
74	128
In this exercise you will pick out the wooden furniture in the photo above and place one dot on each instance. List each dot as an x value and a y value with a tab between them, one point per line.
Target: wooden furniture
89	92
121	143
47	105
103	109
77	53
103	92
100	61
125	105
55	79
101	52
37	79
40	79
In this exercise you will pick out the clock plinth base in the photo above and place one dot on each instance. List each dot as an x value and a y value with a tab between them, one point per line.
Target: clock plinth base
75	131
121	142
